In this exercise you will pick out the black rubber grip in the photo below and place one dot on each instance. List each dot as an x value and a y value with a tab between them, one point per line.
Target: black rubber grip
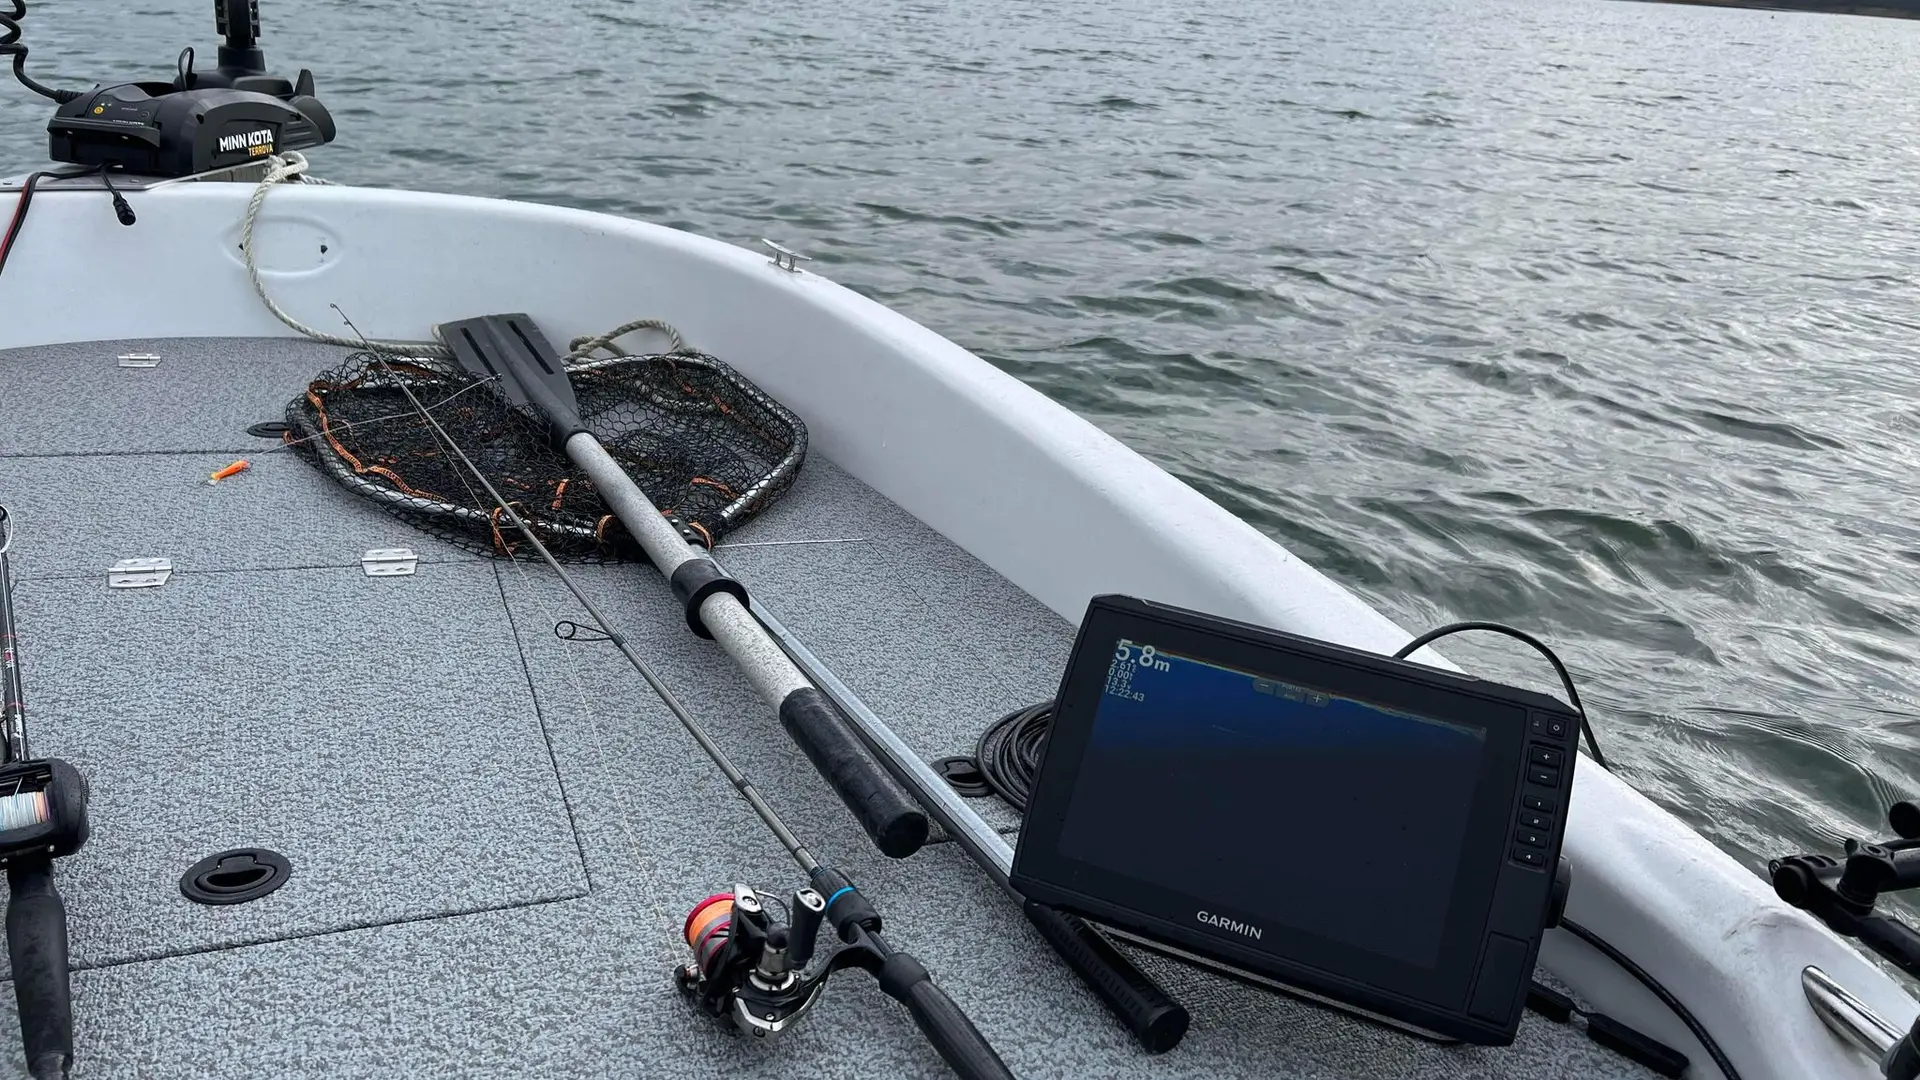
903	979
898	827
37	948
698	579
1157	1021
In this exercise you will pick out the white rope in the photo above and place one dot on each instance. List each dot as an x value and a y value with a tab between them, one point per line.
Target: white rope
584	347
280	169
291	167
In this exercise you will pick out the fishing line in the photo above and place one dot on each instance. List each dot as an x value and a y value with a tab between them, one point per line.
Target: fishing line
602	627
356	425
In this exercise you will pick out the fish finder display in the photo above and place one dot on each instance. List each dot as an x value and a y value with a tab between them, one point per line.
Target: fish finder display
1225	786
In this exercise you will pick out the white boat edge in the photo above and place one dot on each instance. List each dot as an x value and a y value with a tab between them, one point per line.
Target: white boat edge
1046	499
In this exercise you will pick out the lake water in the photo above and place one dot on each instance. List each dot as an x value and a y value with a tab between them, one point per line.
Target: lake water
1594	317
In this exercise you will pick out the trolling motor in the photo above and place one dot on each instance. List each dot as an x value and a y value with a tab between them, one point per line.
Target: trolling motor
43	816
201	121
1843	895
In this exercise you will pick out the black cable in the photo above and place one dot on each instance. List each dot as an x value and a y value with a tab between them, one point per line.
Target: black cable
1566	680
9	44
1008	753
1666	998
120	208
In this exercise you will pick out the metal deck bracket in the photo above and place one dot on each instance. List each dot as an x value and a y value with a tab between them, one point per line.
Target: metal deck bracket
139	573
1847	1016
139	360
389	562
784	258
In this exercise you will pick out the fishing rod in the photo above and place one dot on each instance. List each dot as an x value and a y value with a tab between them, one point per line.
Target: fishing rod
43	817
717	450
1156	1021
749	969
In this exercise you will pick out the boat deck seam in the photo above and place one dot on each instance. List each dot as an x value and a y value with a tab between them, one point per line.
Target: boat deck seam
210	571
29	455
546	733
282	936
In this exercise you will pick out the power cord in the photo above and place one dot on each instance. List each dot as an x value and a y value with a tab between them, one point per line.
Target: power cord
121	209
1666	997
19	218
9	45
1566	680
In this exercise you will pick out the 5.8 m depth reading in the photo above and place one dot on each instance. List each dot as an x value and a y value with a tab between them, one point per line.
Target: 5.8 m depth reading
1128	658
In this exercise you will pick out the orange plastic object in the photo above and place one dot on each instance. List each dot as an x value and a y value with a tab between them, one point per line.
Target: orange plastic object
234	469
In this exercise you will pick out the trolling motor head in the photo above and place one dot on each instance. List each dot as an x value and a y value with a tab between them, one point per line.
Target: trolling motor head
202	120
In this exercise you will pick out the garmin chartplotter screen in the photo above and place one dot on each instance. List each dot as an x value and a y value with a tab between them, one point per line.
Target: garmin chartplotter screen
1380	833
1177	743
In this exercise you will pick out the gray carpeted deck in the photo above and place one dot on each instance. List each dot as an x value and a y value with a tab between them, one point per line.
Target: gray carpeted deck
496	834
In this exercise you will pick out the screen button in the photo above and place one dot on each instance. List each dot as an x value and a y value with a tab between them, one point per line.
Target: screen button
1531	820
1544	775
1535	802
1529	856
1544	755
1531	838
1556	727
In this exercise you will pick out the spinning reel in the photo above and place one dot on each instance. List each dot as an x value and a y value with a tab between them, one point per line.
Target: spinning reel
749	969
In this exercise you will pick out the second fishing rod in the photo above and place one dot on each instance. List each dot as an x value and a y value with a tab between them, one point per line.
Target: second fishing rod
748	968
43	817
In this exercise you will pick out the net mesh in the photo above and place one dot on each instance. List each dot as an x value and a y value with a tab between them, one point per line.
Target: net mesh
708	448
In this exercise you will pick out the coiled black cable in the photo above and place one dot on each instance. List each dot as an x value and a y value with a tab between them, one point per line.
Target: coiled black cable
10	46
1008	753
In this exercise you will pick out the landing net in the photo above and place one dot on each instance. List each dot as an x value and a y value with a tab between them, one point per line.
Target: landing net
708	448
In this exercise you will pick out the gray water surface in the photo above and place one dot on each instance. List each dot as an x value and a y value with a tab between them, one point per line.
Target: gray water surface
1597	318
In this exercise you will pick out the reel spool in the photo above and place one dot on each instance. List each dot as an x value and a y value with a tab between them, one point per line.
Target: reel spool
44	810
708	929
